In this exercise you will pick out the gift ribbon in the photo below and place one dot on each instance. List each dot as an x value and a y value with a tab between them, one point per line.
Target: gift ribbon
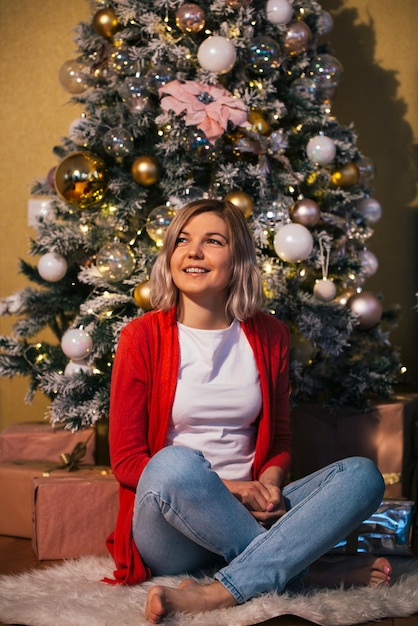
71	461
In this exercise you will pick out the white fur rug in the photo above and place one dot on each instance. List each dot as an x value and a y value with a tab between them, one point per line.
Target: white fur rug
71	594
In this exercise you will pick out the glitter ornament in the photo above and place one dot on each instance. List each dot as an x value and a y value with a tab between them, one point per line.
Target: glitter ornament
264	55
370	208
297	38
325	23
142	296
321	150
158	221
327	72
306	212
259	124
242	201
115	262
190	18
76	344
52	267
135	93
146	170
105	22
81	179
118	142
217	54
366	308
74	77
293	243
159	76
279	11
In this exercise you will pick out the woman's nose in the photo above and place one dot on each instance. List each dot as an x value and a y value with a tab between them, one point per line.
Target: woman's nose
195	251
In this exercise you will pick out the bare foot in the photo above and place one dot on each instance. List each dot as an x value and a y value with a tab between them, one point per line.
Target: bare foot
189	597
360	570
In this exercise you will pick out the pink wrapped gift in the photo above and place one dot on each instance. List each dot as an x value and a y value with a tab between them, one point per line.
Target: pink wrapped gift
323	436
16	491
73	514
39	441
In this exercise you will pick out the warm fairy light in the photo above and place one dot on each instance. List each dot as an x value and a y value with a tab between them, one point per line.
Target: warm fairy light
84	228
302	272
291	189
267	267
403	369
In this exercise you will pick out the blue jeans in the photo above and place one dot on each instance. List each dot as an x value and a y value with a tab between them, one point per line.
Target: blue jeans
185	519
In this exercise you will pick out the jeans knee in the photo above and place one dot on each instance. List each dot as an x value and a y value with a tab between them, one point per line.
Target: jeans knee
367	476
171	468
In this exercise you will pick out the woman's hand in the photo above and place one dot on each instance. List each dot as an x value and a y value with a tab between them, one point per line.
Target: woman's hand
263	497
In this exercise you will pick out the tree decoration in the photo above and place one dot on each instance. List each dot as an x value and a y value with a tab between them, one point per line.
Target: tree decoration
369	262
217	54
306	212
190	18
297	38
76	344
279	11
115	262
327	72
241	200
324	289
366	308
146	170
346	176
321	149
258	123
370	208
293	243
208	107
264	56
106	23
74	367
74	77
81	179
158	221
142	296
118	142
134	91
52	267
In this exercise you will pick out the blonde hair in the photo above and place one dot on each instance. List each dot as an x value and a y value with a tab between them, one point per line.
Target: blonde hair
245	292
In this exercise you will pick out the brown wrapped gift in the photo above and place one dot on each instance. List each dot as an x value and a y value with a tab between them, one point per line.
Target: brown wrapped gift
39	441
16	496
322	436
73	514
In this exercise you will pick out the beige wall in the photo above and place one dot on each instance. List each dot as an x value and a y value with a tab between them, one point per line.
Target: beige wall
374	39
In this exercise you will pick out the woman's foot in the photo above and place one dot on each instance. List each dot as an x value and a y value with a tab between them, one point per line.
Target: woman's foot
359	570
189	597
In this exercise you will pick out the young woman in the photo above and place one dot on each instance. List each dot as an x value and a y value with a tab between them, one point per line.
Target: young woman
200	436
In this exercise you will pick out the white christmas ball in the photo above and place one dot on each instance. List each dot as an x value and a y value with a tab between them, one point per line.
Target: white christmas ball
52	267
293	243
76	344
321	149
369	262
325	290
279	11
73	367
217	54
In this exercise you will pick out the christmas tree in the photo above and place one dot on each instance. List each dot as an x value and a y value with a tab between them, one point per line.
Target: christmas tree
227	99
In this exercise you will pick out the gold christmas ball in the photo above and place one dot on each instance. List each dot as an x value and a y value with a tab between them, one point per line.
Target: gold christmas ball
366	308
146	170
241	200
81	179
347	176
258	123
306	212
142	295
105	22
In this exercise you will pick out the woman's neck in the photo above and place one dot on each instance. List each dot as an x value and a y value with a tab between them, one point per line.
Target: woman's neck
195	315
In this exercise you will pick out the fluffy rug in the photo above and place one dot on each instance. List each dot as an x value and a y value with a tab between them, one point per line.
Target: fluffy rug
71	594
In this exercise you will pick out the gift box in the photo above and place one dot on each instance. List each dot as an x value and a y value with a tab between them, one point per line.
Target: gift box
73	514
389	531
39	441
322	436
16	495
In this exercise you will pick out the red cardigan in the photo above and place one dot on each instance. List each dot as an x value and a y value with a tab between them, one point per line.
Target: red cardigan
144	379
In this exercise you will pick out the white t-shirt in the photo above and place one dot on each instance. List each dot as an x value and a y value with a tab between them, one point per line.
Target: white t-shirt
218	399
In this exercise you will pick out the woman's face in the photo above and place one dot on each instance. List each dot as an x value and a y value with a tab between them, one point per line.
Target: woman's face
201	262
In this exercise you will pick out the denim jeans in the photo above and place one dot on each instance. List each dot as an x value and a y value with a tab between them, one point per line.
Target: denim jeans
185	519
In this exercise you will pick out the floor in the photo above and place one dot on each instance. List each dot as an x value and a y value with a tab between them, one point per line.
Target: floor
16	556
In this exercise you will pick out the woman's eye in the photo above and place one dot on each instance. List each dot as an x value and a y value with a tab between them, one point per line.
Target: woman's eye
215	241
180	240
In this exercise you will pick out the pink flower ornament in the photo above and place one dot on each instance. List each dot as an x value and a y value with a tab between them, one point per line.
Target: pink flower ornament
208	107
